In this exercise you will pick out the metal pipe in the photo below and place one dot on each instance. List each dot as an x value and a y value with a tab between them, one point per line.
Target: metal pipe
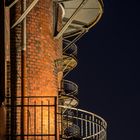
90	130
93	127
13	3
41	119
73	41
82	125
4	52
7	64
28	118
49	115
86	126
35	120
23	72
55	121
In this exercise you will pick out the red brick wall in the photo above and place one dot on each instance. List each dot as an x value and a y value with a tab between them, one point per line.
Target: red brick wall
42	50
41	72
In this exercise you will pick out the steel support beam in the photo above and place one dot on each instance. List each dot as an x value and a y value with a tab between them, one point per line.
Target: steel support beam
13	3
26	12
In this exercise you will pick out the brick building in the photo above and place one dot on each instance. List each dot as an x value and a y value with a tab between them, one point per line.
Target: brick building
38	51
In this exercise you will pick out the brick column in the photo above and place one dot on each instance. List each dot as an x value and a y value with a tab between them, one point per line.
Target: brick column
41	71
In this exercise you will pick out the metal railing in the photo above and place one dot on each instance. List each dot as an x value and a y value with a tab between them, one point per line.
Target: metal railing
76	123
70	50
74	21
82	124
70	88
68	94
40	118
69	57
68	100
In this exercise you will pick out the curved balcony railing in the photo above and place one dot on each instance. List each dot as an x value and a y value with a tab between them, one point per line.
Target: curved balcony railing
79	16
70	88
86	125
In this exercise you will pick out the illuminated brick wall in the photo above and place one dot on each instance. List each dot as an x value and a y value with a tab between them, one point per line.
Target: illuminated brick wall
41	70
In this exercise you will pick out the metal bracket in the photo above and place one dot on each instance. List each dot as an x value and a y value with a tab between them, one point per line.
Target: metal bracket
25	13
13	3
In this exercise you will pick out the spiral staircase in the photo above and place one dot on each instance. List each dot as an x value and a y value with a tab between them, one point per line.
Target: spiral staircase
78	17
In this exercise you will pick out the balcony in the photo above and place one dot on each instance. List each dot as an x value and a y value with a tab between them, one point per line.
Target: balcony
78	17
38	121
78	123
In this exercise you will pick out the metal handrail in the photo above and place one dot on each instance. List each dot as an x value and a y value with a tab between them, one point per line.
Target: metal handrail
37	105
91	126
69	50
69	56
72	20
70	88
69	63
68	100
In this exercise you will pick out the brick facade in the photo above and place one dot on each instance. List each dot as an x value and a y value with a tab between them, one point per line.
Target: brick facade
41	72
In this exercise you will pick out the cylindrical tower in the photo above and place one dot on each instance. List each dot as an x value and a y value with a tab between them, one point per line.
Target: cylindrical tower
35	75
38	50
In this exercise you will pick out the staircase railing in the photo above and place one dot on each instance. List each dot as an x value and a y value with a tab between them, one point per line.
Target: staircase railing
83	124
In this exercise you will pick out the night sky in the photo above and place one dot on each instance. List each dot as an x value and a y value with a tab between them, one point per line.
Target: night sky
108	71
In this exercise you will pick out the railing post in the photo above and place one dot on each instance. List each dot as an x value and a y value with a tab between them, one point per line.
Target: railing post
41	119
48	119
81	125
90	126
56	118
93	129
35	120
86	126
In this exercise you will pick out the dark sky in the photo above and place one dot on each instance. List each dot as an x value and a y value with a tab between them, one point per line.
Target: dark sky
108	72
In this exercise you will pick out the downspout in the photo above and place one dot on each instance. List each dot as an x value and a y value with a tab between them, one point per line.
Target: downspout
2	53
23	73
3	70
